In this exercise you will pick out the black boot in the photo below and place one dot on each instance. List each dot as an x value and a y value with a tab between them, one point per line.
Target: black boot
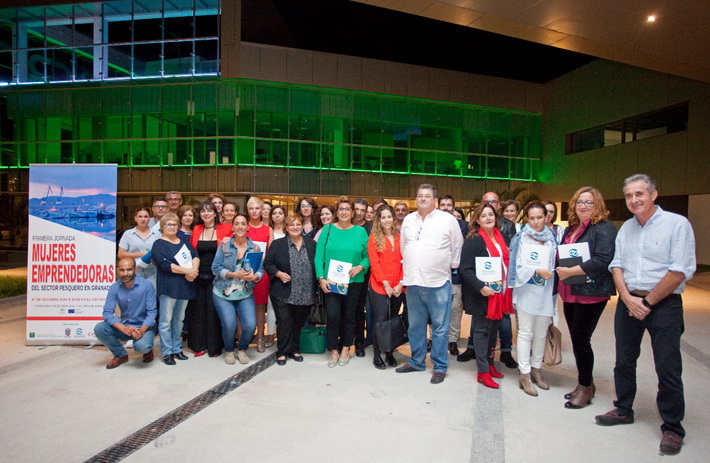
379	364
508	360
391	361
453	348
468	354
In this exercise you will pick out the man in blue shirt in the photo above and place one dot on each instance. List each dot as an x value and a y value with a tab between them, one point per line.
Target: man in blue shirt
655	255
135	297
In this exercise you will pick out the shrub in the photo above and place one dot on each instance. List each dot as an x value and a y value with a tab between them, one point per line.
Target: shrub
12	286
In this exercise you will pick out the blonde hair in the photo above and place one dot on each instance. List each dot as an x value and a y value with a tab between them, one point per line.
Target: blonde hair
254	200
169	216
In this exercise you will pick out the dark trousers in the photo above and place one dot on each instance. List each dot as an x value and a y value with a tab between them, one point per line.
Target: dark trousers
505	333
582	320
341	316
383	308
484	332
665	326
289	320
205	328
363	318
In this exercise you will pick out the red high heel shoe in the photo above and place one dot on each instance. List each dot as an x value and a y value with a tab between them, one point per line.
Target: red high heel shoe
495	373
486	380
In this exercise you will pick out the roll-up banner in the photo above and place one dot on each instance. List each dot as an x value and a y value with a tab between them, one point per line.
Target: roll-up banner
71	250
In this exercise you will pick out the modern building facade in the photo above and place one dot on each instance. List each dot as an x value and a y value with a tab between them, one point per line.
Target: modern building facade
247	97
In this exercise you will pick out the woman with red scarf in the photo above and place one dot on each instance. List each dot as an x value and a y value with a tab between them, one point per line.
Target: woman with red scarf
486	302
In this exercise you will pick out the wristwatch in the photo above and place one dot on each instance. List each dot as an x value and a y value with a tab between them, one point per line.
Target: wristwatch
645	302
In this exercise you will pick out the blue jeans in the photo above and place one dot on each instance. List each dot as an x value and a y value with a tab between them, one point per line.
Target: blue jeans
111	337
172	313
424	303
228	311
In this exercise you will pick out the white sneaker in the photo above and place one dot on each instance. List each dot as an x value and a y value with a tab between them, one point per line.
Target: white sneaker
242	356
229	358
129	344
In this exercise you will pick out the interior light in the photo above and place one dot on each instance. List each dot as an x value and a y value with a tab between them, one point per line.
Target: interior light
651	18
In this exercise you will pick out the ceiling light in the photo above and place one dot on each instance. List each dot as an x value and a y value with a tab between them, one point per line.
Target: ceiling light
651	19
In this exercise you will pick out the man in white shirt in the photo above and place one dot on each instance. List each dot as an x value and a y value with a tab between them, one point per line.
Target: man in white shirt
431	247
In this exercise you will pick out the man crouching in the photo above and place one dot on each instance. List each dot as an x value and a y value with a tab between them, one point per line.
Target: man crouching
135	297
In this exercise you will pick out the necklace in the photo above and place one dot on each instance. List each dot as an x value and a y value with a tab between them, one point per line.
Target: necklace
390	239
211	236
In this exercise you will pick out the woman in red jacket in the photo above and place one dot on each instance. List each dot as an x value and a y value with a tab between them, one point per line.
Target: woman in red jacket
386	292
205	332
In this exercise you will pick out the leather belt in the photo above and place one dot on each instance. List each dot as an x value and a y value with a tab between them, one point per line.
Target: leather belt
639	293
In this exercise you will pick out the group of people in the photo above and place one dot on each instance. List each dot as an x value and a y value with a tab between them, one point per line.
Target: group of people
371	262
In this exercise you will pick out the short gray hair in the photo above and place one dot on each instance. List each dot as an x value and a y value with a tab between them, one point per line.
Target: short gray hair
650	183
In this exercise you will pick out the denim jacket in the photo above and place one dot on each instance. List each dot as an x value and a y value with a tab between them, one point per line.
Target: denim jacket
226	261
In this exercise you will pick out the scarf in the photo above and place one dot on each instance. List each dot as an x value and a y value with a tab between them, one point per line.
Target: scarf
499	303
546	236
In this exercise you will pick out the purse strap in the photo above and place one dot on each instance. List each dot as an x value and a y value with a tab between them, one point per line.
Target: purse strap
325	246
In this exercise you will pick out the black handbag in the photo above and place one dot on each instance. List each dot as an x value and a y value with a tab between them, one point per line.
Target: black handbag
391	333
318	315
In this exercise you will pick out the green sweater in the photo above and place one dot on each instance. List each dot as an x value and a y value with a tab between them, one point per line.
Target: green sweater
344	245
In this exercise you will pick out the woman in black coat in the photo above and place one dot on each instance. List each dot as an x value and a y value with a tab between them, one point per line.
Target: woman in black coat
584	302
485	304
289	263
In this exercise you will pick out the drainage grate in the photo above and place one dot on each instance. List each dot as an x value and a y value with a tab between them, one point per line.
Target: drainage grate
157	428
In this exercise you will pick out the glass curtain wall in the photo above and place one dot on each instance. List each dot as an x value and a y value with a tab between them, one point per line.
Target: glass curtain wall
131	39
254	123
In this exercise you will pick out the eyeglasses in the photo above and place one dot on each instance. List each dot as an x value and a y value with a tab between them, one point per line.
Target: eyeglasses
173	199
344	209
160	206
584	203
306	206
491	201
170	225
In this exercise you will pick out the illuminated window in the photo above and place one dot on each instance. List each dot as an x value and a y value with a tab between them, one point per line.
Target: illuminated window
264	124
109	40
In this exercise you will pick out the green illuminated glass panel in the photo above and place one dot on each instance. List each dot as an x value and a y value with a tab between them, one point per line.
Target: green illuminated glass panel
250	123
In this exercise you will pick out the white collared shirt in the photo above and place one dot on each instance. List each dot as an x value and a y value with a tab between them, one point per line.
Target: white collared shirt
430	248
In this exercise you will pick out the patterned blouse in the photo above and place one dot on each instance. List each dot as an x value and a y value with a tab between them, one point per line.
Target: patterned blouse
302	275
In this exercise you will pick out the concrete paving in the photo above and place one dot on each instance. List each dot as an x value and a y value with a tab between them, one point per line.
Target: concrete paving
60	404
